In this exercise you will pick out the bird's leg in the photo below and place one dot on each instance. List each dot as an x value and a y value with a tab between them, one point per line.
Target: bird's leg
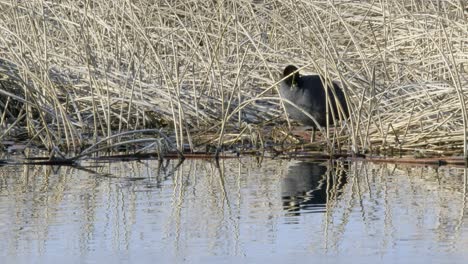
312	138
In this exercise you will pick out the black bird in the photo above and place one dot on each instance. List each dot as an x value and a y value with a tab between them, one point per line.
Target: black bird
308	93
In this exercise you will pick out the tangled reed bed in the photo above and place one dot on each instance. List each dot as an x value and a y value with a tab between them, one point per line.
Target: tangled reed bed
178	73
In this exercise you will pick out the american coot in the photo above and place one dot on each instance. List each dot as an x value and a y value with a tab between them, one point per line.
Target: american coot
308	93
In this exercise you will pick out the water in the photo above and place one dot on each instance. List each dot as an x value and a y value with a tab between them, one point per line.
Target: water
242	211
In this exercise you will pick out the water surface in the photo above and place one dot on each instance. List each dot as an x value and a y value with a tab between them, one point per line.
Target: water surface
239	211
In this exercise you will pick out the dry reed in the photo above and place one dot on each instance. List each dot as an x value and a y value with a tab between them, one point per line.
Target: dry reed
75	72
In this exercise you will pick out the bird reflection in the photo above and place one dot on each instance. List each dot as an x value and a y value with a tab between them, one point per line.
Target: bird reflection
309	185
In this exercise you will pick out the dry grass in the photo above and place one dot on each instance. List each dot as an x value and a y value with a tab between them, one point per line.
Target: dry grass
75	72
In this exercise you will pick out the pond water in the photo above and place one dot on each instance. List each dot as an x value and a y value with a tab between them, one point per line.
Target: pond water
245	210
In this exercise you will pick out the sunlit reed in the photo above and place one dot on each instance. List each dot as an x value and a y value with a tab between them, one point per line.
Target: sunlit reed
73	73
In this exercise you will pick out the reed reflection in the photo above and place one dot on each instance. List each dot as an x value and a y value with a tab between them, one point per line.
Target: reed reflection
309	186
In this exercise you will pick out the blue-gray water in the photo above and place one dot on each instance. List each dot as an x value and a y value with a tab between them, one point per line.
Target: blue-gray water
244	211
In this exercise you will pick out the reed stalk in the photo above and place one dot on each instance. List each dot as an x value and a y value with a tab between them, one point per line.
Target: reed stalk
73	73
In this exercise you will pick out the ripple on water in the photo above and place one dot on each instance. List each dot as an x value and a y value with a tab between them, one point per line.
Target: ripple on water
241	209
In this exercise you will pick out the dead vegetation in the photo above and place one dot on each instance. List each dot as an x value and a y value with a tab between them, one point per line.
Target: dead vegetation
75	74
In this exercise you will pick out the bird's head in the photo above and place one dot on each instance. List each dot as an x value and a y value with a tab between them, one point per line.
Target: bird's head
292	74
